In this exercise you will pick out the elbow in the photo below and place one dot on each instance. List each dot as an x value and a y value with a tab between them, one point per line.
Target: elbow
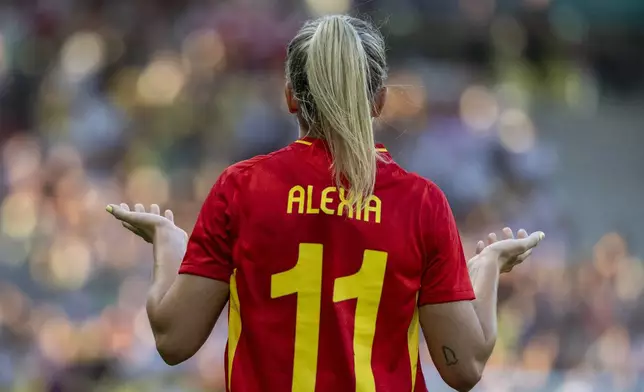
466	379
172	353
170	358
466	384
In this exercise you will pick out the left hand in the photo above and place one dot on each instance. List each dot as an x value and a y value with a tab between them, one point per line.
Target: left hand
146	225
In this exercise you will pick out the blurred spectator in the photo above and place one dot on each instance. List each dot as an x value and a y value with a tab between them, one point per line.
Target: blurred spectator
102	102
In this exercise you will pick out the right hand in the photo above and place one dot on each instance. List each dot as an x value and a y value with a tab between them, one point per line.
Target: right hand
146	225
509	252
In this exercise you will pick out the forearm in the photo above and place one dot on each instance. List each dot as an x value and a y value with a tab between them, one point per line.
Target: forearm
169	249
461	335
182	309
485	280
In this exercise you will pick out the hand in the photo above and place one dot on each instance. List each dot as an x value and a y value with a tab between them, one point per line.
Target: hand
509	252
145	224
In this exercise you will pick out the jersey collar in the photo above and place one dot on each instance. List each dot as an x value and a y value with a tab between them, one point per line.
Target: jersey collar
317	142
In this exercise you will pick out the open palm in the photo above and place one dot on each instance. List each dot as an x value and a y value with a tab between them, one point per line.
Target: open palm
142	223
510	251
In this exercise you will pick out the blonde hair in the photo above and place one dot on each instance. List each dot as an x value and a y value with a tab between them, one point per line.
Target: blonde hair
336	65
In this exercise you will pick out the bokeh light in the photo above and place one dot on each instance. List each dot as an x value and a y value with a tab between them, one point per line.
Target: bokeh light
70	262
161	81
204	51
407	96
21	158
57	341
630	279
13	305
328	7
608	252
92	334
19	215
148	185
82	54
614	348
479	108
516	131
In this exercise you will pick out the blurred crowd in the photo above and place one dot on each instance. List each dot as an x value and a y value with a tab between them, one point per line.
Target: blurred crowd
147	101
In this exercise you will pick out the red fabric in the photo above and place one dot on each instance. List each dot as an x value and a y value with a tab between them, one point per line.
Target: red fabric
445	277
244	226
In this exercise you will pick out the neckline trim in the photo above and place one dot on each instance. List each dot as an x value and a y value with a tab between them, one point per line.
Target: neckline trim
310	141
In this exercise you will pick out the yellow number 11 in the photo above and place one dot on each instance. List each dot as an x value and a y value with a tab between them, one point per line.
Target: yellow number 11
305	279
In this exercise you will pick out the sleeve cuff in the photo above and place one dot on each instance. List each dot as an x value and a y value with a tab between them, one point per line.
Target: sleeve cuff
220	274
433	298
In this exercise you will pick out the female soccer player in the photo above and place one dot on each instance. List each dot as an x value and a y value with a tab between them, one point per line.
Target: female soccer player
328	252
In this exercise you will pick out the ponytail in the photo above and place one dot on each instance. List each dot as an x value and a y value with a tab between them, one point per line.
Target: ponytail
344	67
338	76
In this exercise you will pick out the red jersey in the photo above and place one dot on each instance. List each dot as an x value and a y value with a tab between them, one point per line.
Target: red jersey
324	297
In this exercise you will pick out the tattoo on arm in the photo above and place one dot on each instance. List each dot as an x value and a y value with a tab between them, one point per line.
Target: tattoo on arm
450	356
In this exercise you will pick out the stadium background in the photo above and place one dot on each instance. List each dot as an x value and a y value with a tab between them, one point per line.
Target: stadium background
527	113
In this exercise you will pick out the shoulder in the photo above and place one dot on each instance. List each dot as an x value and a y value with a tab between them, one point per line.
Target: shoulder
416	184
423	196
243	170
432	192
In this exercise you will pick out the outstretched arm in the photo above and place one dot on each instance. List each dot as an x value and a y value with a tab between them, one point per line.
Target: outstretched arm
182	309
461	335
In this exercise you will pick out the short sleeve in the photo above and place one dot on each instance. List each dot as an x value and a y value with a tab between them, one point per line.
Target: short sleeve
445	277
209	252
